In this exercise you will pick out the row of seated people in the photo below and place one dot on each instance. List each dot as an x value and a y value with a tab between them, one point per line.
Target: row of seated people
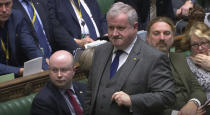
127	75
30	30
46	49
53	28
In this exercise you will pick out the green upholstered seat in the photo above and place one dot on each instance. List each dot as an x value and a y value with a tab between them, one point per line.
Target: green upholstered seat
19	106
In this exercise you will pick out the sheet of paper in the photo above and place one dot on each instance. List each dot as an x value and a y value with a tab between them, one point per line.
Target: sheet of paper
95	43
32	66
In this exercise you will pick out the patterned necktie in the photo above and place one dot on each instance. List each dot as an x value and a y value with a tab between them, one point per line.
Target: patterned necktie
74	103
87	20
44	44
115	63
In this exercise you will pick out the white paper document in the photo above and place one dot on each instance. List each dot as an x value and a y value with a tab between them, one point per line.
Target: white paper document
33	66
95	43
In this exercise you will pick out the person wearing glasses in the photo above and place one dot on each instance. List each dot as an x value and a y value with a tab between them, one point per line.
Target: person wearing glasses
199	61
60	96
16	43
189	94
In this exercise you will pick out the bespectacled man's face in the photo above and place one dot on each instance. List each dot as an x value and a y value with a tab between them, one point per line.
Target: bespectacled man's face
5	9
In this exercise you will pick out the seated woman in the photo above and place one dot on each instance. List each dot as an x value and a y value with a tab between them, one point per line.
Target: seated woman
199	61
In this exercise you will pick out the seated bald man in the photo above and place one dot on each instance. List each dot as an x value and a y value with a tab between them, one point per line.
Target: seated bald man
60	96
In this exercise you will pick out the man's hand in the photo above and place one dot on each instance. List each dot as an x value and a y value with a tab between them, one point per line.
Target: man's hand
83	41
189	109
121	98
184	9
21	71
202	60
47	61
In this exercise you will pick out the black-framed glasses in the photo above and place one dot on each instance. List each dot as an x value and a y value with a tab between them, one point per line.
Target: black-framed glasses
203	44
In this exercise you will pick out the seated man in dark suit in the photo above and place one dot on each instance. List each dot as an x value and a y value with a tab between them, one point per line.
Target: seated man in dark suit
189	94
17	45
60	96
81	20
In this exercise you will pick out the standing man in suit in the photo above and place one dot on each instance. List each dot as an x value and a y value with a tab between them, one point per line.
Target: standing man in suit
81	19
54	40
37	20
144	7
60	96
128	76
189	94
17	45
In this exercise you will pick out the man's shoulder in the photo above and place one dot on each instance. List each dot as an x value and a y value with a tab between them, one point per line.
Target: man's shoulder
79	85
16	16
46	92
103	47
149	50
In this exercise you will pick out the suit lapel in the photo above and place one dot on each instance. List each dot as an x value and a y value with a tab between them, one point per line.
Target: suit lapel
17	5
79	94
71	10
177	69
13	36
40	10
60	98
105	54
130	63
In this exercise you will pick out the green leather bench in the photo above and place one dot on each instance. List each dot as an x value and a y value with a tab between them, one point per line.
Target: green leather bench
22	105
19	106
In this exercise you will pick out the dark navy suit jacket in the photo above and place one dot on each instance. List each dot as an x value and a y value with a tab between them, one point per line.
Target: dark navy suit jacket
64	12
21	44
55	38
50	101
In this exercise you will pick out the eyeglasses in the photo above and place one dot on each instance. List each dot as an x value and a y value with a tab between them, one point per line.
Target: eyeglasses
62	70
203	44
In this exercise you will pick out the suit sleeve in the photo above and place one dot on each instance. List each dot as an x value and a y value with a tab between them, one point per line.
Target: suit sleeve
160	84
5	69
197	91
63	40
27	44
42	107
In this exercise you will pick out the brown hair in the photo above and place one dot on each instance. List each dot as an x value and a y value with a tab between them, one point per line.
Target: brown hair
85	60
161	19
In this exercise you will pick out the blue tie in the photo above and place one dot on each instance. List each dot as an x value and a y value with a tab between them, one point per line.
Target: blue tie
44	44
115	63
87	20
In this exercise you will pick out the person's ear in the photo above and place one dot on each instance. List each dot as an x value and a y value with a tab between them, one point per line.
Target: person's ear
135	25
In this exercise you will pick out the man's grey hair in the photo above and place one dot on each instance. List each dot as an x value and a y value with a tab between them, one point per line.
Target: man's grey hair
119	8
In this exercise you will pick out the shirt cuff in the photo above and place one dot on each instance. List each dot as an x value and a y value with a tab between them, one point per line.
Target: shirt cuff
196	101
